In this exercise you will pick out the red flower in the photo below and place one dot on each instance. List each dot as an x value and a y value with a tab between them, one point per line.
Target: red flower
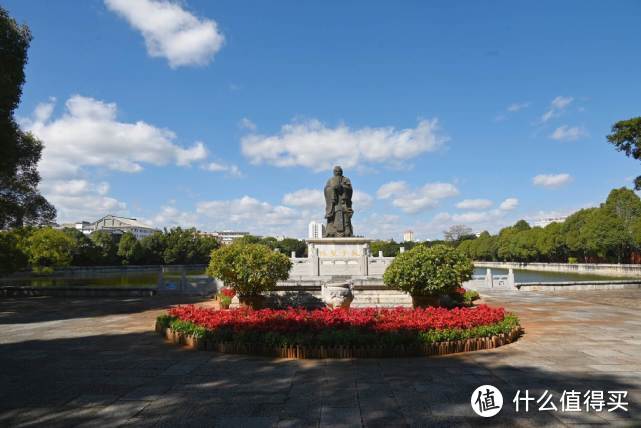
229	292
296	320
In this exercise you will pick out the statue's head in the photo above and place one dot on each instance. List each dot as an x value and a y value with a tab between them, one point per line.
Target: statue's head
338	171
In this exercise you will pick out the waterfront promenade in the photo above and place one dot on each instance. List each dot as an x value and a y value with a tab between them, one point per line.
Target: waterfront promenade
82	362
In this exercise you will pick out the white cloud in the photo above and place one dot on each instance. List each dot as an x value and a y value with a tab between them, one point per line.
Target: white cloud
557	105
252	215
245	123
313	145
474	204
314	199
514	107
170	31
567	133
89	134
509	204
551	180
391	188
170	216
232	170
79	199
417	200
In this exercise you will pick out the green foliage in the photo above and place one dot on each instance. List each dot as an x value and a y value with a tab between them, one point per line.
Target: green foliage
12	258
626	137
342	337
48	249
85	252
389	248
106	247
249	268
186	246
432	336
129	249
609	233
152	248
429	271
21	203
470	296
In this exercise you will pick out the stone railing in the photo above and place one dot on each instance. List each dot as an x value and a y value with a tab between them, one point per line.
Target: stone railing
314	266
623	270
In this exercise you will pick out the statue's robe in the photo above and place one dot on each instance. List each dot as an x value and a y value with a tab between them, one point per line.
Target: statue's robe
338	206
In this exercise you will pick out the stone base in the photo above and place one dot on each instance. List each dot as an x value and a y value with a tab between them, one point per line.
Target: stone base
338	247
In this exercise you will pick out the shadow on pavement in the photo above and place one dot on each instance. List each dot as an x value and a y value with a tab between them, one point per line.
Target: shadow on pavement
104	380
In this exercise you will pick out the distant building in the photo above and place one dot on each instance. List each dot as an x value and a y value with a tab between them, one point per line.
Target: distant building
408	236
121	225
225	237
542	222
315	230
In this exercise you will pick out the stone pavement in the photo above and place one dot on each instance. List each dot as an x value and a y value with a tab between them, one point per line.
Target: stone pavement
83	362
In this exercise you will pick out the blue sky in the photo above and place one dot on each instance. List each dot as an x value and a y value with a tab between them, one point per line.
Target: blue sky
230	114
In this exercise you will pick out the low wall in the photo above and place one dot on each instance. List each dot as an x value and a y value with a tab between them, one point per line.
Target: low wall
333	266
621	270
92	271
578	285
75	292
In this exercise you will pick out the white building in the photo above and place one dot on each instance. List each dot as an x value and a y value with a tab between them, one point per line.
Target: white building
315	230
542	222
408	236
225	237
121	225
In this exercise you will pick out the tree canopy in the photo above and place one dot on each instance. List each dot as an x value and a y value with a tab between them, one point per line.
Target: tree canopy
626	137
21	204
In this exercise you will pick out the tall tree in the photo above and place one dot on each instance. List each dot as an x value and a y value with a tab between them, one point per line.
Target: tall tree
20	201
626	137
129	249
457	232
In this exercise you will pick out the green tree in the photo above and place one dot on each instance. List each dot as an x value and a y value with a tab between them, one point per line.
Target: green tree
626	137
153	248
85	251
21	204
48	248
605	236
624	204
550	244
574	235
249	269
129	249
107	247
426	271
186	246
289	245
12	258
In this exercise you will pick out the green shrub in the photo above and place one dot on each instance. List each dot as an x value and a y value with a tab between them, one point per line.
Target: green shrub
49	248
572	260
424	271
470	296
249	269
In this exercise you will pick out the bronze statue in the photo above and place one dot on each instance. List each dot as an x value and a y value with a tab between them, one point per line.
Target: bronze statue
338	205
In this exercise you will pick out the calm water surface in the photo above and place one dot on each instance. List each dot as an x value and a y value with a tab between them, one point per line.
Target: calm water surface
539	276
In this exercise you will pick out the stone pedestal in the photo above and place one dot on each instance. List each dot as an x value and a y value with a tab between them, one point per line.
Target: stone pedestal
338	256
338	247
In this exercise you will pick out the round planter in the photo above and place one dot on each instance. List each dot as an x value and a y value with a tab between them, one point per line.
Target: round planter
337	294
425	301
254	301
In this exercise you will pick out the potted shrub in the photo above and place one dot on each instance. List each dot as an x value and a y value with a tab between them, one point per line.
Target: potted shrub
426	273
249	270
225	296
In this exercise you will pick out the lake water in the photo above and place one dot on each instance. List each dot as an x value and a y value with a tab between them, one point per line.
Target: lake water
115	279
539	276
150	279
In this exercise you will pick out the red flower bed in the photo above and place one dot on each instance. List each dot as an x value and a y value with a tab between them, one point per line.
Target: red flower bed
294	320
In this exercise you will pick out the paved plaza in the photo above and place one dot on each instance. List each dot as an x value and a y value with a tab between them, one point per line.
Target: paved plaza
97	362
